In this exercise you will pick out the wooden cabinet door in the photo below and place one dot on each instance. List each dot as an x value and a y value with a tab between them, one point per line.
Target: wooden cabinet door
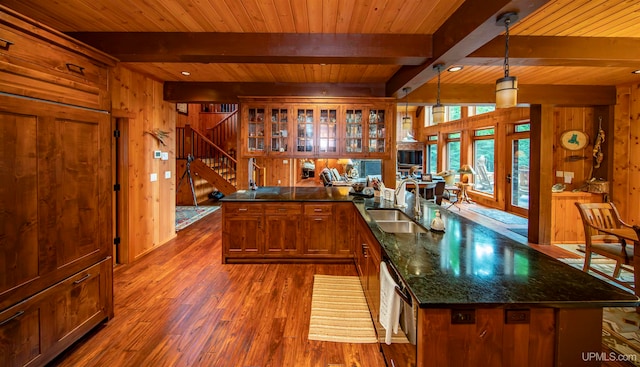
318	235
33	331
243	234
255	132
55	197
344	219
281	235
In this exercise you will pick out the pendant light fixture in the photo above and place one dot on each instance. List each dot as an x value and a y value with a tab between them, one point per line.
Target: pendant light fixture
407	124
507	86
437	111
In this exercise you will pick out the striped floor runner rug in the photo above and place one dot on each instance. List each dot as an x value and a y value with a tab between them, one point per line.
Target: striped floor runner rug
339	311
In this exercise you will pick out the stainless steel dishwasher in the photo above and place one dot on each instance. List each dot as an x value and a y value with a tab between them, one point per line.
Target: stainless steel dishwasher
402	351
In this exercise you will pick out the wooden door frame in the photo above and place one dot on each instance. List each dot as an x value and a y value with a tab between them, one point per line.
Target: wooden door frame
509	170
120	175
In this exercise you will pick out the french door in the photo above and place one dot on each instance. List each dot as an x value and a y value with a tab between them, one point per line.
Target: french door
518	174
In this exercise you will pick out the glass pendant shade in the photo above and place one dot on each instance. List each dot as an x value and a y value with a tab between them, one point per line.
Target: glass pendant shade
407	124
506	92
437	113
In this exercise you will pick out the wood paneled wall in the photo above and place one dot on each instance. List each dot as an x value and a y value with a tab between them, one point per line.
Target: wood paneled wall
625	173
580	162
151	205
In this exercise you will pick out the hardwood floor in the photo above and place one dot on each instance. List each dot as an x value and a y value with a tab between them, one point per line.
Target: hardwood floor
179	306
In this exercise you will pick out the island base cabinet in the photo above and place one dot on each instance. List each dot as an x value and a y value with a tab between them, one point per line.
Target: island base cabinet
34	331
481	337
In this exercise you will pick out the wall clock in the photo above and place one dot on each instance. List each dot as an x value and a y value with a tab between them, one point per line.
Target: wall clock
574	139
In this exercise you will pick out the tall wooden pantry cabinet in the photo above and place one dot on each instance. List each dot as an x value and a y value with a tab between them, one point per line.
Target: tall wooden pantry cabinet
55	192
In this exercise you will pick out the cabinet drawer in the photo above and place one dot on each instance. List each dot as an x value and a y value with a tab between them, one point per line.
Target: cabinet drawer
38	63
37	329
242	208
318	209
285	209
24	50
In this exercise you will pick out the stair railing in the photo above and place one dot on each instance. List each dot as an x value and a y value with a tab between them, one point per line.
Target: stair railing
191	141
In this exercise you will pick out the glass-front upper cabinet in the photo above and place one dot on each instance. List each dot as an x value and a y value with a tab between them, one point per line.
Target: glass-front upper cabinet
256	129
353	130
377	131
305	133
279	130
328	130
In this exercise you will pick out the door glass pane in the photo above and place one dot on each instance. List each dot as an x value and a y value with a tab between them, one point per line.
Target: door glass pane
453	156
432	158
520	173
483	151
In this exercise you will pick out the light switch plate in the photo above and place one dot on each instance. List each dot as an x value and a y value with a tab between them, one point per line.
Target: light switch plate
154	177
165	156
157	154
167	174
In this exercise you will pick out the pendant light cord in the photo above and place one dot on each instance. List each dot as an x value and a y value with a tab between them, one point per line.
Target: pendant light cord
438	96
506	49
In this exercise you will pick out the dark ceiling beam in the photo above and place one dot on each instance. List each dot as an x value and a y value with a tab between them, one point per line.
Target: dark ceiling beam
278	48
560	95
559	51
228	92
471	26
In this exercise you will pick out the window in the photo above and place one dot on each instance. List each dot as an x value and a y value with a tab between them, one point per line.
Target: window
453	113
432	154
479	110
484	160
453	152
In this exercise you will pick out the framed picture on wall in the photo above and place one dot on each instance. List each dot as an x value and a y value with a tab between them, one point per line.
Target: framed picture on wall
182	108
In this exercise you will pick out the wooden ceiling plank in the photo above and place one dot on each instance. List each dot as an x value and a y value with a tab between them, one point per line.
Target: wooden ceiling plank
314	15
261	47
329	16
344	15
300	16
539	23
472	25
270	15
285	15
235	13
438	14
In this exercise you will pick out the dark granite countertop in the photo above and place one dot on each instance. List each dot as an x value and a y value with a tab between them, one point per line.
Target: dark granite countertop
468	264
279	193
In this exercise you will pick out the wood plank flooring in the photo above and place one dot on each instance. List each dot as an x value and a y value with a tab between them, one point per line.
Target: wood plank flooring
179	306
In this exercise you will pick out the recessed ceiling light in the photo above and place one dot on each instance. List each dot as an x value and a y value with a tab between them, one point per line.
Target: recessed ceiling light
453	69
636	71
185	73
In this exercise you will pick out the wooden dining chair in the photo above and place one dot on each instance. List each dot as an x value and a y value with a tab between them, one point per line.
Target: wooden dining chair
605	215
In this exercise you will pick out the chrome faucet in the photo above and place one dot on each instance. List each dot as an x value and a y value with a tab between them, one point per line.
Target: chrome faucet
400	199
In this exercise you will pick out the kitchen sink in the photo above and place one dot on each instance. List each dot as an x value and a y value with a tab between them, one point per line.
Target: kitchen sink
388	215
400	226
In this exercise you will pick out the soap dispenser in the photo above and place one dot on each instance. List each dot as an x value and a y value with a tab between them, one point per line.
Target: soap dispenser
437	225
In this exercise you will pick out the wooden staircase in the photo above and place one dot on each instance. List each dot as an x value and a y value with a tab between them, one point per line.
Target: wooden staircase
209	161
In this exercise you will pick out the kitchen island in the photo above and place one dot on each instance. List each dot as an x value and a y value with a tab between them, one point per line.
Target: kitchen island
483	298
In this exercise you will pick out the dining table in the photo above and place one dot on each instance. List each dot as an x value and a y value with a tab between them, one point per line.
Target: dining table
629	236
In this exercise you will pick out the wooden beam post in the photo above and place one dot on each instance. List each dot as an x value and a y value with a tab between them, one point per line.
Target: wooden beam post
542	139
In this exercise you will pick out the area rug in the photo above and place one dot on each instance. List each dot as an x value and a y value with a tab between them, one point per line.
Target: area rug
187	215
621	333
620	325
499	215
339	311
604	265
